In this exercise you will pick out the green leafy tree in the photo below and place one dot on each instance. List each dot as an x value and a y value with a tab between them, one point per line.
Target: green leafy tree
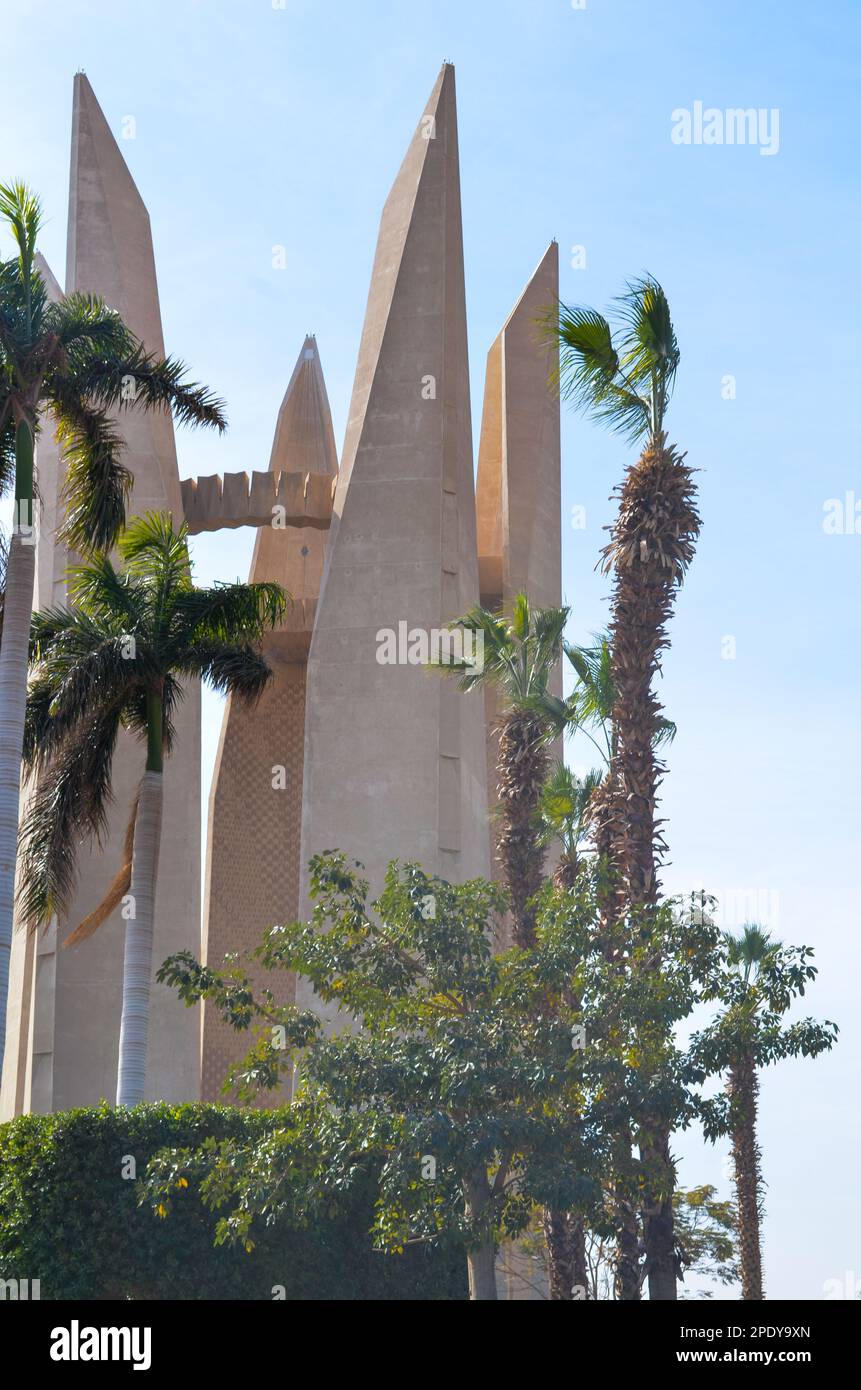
756	982
116	659
457	1066
489	1085
591	809
706	1236
61	365
625	381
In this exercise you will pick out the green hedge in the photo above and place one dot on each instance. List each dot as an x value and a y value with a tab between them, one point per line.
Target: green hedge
70	1219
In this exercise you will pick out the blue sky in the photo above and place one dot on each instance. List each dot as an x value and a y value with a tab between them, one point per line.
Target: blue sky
259	126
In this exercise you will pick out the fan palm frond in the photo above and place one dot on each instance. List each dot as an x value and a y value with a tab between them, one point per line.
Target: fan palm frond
623	381
750	949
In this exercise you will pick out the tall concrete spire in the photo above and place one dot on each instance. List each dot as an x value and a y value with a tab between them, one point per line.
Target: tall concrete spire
395	763
77	993
27	963
255	809
109	251
518	492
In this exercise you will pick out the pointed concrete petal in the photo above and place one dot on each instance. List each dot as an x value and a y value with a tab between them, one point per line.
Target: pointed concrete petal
518	492
304	439
49	591
255	819
395	758
110	253
304	443
75	1044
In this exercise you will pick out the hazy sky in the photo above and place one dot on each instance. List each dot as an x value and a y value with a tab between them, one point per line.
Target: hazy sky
260	126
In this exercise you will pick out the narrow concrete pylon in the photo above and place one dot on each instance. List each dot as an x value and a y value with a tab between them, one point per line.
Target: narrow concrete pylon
255	808
78	993
49	590
518	491
395	761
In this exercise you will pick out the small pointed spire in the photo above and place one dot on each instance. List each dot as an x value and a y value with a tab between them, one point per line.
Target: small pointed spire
304	443
304	438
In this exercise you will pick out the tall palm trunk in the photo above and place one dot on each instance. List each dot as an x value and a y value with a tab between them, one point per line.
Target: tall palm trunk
565	1231
481	1260
523	768
137	962
627	1263
743	1088
651	548
14	652
607	818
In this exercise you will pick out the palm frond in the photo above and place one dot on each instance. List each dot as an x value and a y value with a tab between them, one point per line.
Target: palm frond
21	210
564	805
156	558
750	947
229	612
71	799
650	340
650	351
104	592
590	372
229	668
138	378
23	302
497	658
150	543
97	484
88	330
665	732
594	694
519	651
85	670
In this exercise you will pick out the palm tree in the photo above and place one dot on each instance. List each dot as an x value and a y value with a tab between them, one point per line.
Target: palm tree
590	805
564	820
116	658
627	383
747	953
518	655
757	981
589	710
564	811
70	362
